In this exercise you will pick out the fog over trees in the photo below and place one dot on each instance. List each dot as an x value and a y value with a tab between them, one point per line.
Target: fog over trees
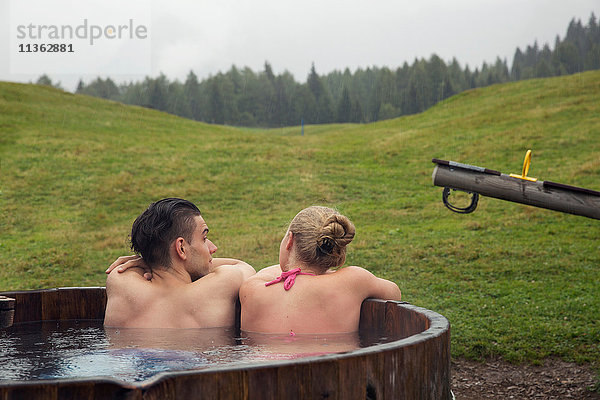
243	97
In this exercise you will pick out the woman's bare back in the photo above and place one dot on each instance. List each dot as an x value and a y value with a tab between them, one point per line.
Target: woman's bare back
327	303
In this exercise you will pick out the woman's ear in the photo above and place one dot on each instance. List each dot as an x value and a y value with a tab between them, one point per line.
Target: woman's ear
289	241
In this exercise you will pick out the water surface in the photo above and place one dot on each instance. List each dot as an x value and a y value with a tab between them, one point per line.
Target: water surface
80	349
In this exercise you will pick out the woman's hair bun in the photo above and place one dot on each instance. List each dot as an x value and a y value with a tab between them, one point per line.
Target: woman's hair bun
337	231
321	235
325	245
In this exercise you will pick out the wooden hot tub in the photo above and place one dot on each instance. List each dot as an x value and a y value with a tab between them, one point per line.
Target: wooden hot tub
416	366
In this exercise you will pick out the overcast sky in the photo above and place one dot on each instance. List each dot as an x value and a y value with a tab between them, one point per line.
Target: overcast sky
210	36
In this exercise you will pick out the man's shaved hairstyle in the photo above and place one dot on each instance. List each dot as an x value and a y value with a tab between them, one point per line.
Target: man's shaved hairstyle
156	228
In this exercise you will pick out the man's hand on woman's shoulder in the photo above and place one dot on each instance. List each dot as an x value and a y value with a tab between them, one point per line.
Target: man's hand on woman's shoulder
136	262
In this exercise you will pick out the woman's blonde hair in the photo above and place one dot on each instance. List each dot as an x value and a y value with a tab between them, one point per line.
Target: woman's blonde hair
321	235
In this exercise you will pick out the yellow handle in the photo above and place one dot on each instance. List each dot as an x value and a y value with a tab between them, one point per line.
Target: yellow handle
526	164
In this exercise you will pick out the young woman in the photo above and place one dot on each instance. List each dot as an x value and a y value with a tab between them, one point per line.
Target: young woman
305	292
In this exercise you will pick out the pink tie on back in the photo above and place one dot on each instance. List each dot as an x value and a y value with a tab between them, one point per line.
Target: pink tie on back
289	277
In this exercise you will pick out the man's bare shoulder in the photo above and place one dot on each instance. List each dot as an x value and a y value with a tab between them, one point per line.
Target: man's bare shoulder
130	280
234	269
129	294
225	279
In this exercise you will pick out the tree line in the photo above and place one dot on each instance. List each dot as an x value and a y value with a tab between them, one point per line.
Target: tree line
243	97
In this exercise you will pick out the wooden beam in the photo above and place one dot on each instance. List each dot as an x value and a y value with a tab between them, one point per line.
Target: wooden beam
550	195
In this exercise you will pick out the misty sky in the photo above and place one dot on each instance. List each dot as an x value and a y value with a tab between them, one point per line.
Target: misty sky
210	36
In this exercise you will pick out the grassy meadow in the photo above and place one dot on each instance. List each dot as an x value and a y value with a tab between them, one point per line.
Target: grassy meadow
516	282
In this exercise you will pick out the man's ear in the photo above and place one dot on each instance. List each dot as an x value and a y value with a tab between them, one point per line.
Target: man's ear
180	248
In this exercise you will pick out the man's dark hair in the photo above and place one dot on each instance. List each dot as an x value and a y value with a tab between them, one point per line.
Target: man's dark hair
155	229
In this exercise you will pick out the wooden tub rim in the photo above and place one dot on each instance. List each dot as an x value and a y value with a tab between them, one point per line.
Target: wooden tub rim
438	326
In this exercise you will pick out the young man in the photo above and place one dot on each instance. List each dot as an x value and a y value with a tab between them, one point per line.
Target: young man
188	287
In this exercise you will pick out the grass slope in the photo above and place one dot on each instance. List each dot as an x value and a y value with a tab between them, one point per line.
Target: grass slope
515	281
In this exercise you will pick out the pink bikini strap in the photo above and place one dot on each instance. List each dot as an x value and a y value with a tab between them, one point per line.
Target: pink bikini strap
289	277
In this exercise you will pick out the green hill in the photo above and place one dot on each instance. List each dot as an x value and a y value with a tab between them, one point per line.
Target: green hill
515	281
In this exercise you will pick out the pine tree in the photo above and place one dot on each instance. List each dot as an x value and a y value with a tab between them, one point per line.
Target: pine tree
284	88
45	80
191	93
592	59
315	85
176	102
216	111
517	65
344	107
447	87
436	71
323	111
357	112
80	87
268	96
157	92
567	57
269	72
